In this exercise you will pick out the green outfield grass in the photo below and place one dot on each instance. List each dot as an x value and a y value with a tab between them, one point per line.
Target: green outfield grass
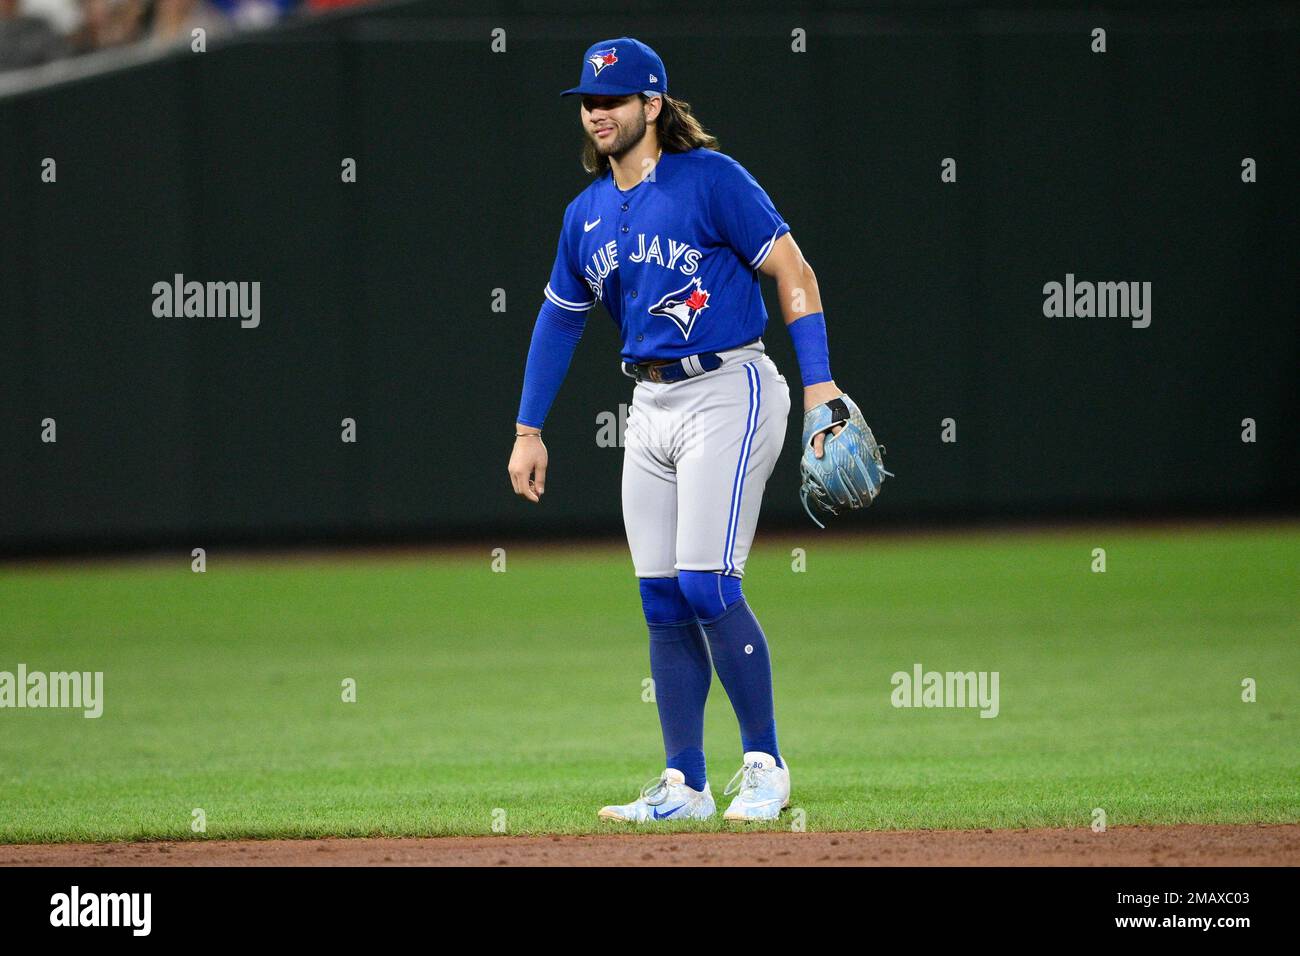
522	690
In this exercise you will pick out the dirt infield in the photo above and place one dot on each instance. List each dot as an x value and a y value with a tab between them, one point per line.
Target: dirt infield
1259	845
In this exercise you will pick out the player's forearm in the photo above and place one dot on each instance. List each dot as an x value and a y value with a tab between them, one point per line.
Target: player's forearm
801	307
801	304
555	336
796	288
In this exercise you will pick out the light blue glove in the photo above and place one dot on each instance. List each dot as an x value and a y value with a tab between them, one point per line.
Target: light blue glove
851	469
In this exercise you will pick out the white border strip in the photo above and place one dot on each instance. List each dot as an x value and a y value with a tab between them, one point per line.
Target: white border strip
565	303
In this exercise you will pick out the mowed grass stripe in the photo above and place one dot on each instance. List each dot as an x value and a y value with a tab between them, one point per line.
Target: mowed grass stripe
522	691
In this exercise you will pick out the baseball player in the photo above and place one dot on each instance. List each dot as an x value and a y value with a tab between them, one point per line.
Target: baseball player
671	237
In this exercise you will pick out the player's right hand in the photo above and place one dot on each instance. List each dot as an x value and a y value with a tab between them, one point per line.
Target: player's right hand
528	467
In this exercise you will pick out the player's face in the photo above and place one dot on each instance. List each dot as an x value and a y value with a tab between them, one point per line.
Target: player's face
615	124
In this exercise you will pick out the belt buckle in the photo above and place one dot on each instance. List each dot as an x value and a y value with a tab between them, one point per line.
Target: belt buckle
654	374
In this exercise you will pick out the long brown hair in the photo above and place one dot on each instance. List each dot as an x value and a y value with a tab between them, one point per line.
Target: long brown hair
678	129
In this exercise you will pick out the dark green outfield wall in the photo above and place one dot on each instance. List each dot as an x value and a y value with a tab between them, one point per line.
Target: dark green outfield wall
376	298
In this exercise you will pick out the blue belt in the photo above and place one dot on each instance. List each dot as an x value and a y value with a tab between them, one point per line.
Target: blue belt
676	371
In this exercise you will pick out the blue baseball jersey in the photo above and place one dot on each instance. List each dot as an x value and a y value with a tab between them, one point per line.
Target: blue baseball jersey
674	259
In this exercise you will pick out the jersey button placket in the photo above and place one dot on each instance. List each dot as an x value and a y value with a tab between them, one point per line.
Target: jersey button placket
624	230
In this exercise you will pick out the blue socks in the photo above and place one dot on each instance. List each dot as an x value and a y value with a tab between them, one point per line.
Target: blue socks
679	665
690	616
740	654
708	593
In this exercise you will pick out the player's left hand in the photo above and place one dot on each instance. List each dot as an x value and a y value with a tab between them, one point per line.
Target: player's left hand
820	394
847	470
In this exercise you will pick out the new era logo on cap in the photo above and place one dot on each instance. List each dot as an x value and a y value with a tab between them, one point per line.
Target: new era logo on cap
611	68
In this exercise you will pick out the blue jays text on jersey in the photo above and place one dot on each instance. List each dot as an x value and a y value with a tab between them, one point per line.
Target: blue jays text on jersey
674	259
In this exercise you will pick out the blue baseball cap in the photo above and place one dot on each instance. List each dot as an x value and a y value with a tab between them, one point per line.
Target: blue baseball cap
619	67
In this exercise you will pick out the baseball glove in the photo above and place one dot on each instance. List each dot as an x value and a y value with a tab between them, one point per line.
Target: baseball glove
851	469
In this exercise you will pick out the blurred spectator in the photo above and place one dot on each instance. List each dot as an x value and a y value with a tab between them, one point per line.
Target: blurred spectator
255	13
108	23
64	15
37	31
26	39
175	20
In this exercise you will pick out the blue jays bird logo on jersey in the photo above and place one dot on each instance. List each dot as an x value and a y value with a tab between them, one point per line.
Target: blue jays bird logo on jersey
602	58
683	306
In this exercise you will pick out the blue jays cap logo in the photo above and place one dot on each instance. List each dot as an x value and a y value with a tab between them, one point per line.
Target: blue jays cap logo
683	306
640	69
600	59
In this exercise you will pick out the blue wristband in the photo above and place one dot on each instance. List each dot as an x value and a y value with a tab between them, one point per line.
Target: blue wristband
808	333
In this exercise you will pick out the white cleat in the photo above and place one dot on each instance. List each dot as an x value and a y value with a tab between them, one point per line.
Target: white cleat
667	798
762	789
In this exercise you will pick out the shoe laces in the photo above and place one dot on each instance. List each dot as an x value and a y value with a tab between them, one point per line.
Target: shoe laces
747	779
656	791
